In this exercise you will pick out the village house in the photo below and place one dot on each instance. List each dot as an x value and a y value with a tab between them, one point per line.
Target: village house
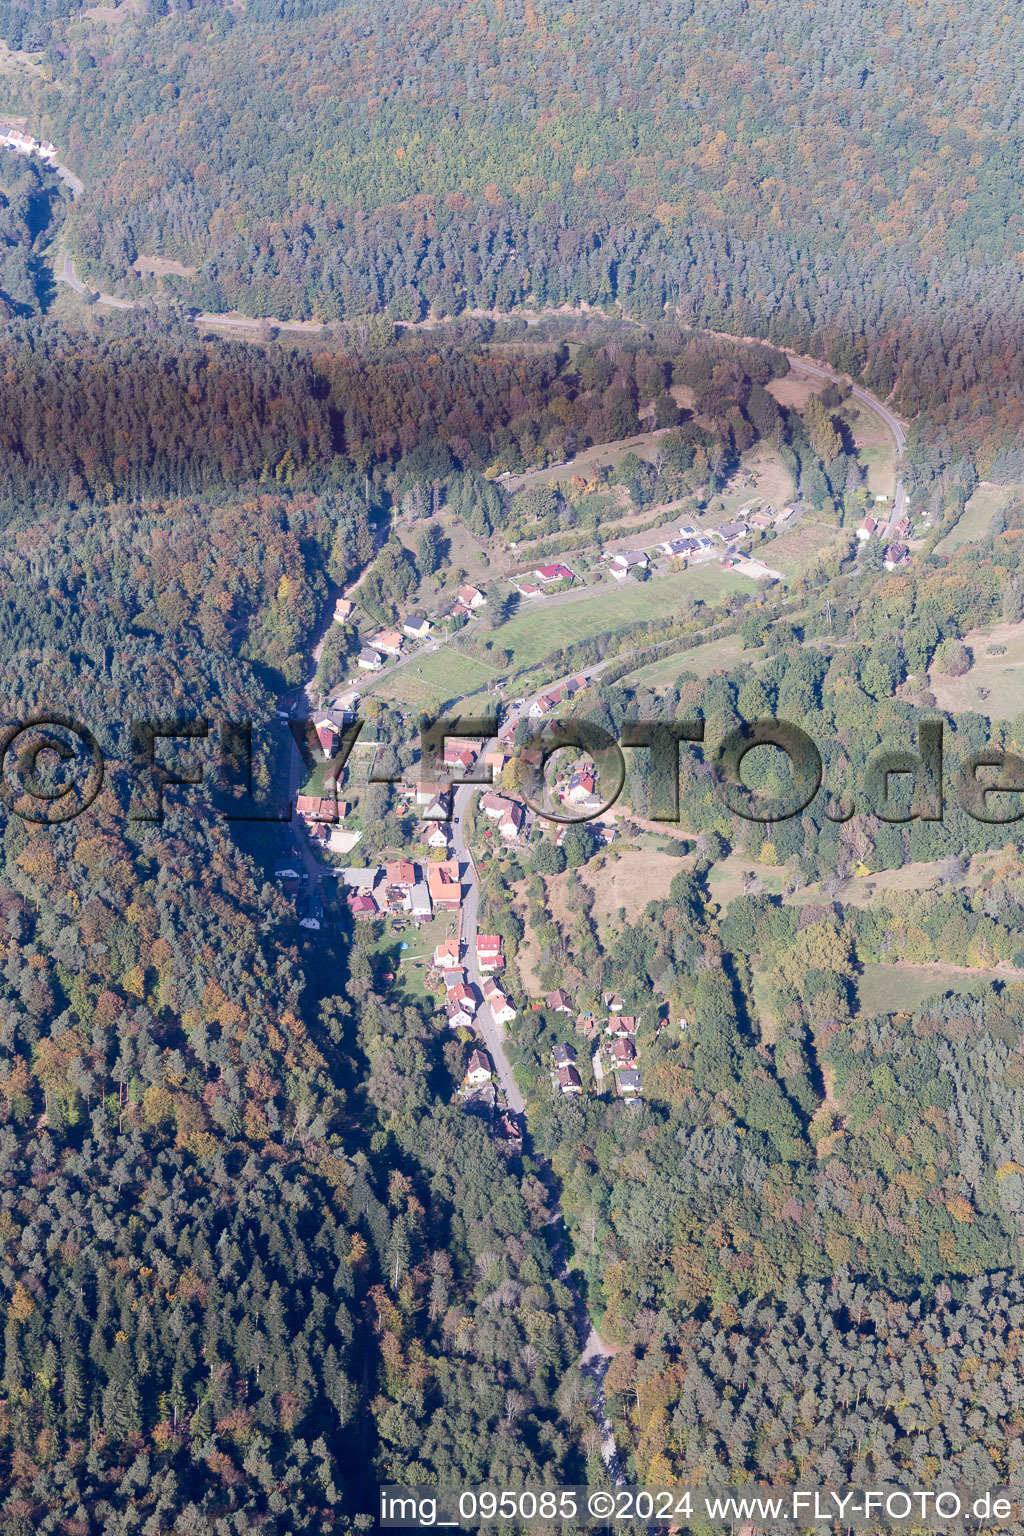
488	952
629	1082
762	521
321	808
677	549
417	626
400	873
551	575
558	1001
564	1055
389	641
446	955
510	1133
866	528
445	886
327	734
421	908
478	1069
502	1010
897	554
569	1081
464	995
471	597
730	533
461	754
456	977
528	589
458	1016
613	1002
623	1053
623	1027
436	837
582	786
343	610
362	905
362	880
625	561
507	813
546	702
439	808
368	660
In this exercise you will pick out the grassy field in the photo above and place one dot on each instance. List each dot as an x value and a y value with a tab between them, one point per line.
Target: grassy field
435	679
543	628
902	988
720	656
876	449
791	552
987	500
995	684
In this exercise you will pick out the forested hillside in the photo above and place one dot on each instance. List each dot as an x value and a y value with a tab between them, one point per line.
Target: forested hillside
250	1259
841	180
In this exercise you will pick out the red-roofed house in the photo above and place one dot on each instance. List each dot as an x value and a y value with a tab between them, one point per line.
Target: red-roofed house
550	575
444	885
488	952
446	954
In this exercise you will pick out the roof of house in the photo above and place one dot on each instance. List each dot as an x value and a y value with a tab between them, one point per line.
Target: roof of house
623	1051
478	1062
400	872
629	557
389	638
443	879
361	879
629	1079
368	655
568	1077
564	1055
488	943
559	1000
554	573
362	906
468	595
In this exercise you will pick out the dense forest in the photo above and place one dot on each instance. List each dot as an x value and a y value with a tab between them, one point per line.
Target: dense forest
843	182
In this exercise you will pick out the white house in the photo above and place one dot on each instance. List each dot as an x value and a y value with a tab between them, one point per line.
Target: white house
479	1069
625	561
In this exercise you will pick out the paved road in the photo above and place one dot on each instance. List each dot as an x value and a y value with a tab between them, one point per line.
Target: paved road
879	409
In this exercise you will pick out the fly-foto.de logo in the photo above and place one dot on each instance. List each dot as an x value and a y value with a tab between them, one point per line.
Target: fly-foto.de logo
52	768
